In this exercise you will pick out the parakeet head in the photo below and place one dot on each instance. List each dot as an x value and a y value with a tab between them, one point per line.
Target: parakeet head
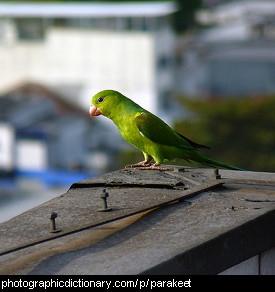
104	102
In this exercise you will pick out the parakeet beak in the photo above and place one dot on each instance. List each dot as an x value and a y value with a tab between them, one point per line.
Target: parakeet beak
94	111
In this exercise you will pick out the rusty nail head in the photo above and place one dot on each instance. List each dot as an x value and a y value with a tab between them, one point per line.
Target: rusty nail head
53	215
104	194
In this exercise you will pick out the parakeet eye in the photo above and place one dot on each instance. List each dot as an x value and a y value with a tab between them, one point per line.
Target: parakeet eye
100	99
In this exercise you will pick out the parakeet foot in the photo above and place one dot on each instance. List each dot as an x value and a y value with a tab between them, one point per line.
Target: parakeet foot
144	164
155	167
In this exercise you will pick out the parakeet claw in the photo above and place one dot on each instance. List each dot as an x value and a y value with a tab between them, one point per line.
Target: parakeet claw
155	167
144	164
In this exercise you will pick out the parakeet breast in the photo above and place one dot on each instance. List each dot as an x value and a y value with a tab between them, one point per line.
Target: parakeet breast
130	133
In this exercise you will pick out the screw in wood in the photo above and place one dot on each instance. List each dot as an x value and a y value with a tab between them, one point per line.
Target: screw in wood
53	228
104	195
216	173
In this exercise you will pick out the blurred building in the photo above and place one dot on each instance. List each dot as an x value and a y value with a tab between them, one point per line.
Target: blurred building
58	55
234	54
82	48
40	131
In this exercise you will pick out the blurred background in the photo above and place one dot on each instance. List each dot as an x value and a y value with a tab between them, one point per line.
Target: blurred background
207	67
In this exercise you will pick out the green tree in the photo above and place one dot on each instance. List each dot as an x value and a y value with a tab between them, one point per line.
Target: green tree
240	132
184	18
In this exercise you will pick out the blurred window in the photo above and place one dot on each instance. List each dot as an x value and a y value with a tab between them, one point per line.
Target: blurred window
30	29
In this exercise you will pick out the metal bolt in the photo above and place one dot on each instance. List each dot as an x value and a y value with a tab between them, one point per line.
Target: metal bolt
104	195
216	173
53	229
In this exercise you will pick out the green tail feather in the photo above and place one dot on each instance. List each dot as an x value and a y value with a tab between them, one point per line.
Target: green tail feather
213	163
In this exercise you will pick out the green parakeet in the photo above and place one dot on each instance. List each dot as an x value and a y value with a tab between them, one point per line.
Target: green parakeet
147	132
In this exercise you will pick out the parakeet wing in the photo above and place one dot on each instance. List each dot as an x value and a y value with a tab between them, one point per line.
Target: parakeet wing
157	131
